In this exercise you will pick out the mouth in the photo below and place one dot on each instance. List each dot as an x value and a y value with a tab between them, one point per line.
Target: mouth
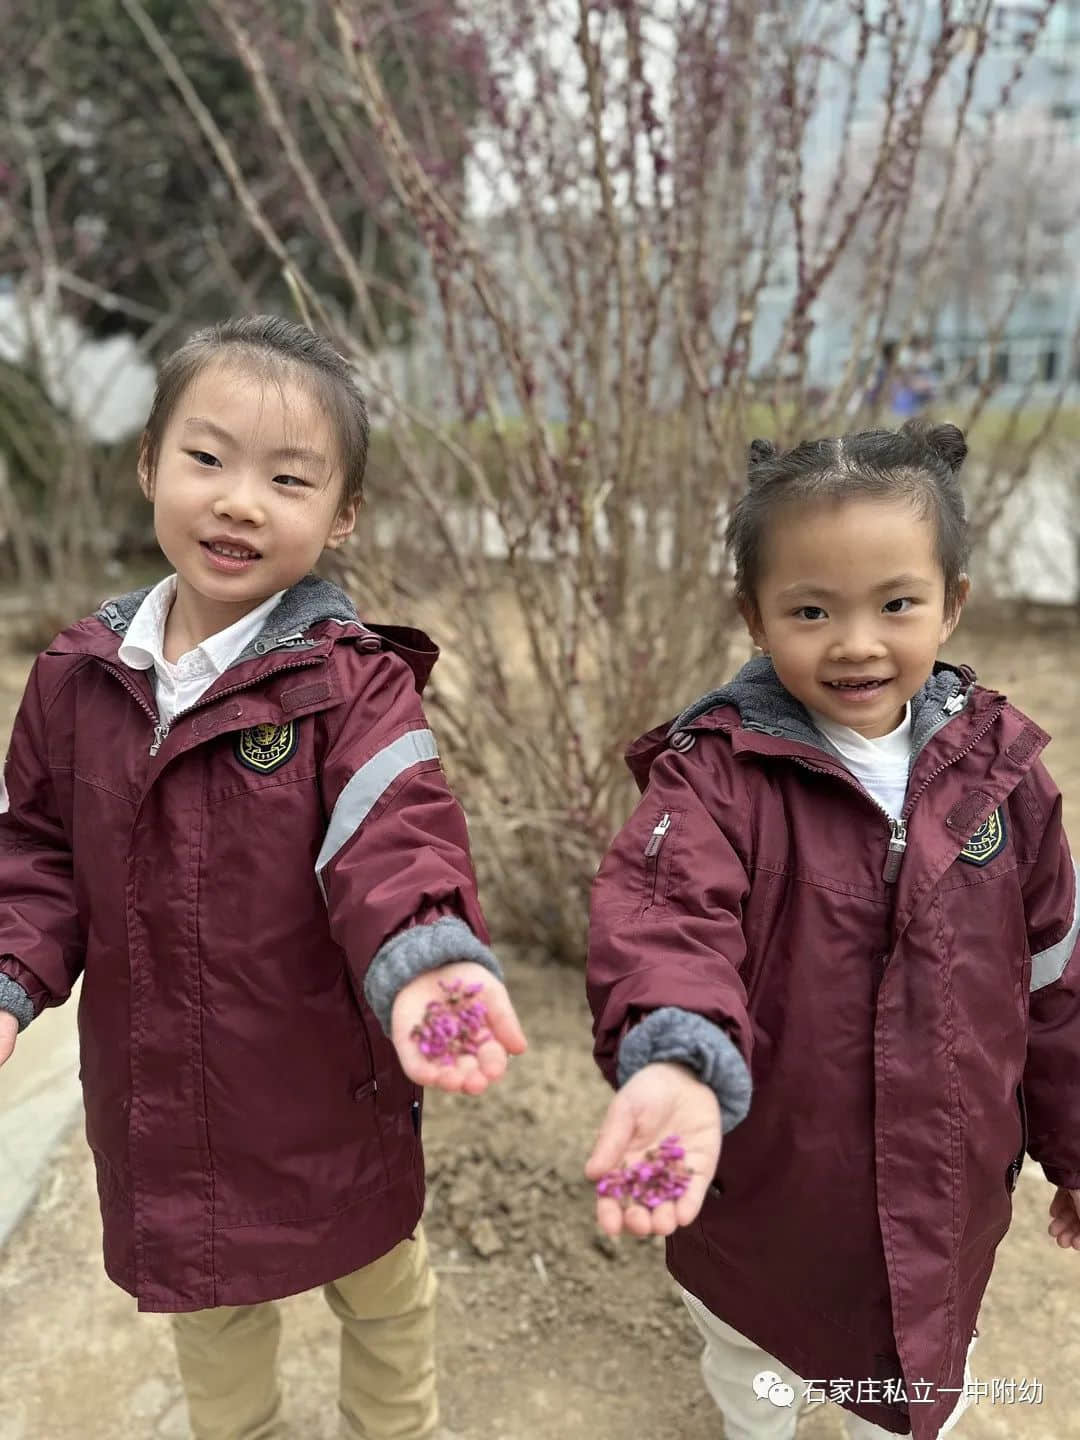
858	687
230	549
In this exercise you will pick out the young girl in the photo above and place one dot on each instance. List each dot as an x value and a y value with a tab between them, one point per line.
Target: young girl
840	930
226	812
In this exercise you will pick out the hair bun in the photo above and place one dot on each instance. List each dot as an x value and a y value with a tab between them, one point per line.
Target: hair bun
761	450
948	442
945	441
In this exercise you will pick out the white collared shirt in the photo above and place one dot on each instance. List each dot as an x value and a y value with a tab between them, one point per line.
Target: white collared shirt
880	766
179	686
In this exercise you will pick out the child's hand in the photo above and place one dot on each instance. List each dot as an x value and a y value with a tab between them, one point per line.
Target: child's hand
659	1101
471	1073
9	1029
1065	1218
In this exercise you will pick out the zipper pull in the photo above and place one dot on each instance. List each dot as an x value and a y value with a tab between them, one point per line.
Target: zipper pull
895	856
657	837
295	641
160	732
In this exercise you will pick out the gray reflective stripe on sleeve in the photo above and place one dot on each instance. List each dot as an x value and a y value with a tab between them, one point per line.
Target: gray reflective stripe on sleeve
367	787
1049	965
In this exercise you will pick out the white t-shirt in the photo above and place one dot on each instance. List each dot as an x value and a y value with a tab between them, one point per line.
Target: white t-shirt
179	686
881	765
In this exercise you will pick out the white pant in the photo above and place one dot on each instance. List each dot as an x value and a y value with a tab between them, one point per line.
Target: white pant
729	1364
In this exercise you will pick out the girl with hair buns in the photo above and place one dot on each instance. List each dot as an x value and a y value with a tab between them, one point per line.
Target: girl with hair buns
834	950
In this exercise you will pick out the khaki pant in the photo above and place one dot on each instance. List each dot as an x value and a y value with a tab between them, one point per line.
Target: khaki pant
387	1390
729	1364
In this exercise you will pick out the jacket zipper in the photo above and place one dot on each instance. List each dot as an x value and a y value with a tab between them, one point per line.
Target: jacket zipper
994	714
894	857
161	730
139	698
652	851
296	641
656	839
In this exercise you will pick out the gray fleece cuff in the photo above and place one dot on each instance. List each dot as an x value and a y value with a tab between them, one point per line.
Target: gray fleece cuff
414	952
14	999
671	1034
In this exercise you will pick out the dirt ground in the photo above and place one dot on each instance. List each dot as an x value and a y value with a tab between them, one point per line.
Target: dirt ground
551	1333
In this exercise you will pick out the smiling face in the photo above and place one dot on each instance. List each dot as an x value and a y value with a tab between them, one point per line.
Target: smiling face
247	493
850	605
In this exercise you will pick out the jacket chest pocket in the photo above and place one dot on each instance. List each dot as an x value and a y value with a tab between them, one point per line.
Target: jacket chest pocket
656	859
261	759
986	853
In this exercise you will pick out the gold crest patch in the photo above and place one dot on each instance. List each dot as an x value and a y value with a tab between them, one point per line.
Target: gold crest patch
264	748
987	842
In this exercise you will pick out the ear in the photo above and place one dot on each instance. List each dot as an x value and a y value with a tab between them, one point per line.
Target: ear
344	525
146	480
752	620
952	616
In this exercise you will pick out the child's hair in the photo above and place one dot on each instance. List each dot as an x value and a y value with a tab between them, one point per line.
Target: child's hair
918	462
271	347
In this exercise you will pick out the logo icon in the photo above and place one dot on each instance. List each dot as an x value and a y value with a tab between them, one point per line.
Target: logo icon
265	748
770	1386
987	842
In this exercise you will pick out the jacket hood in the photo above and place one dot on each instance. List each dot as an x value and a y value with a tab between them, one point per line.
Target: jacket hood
310	603
307	603
765	705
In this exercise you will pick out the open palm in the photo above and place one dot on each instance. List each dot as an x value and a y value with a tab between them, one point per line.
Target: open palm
471	1074
658	1101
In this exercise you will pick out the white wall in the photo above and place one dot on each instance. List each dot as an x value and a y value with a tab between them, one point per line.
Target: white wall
106	384
1033	551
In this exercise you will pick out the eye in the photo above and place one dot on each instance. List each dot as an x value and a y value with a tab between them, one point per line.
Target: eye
291	482
203	457
899	606
810	612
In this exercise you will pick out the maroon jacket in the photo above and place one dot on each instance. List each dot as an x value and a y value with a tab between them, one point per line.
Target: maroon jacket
898	992
253	1132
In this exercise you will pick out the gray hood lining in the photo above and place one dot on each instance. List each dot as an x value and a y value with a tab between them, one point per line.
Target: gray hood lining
764	705
309	602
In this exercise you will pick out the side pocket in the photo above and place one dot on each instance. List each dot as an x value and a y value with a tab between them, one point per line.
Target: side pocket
1012	1175
366	1092
371	1082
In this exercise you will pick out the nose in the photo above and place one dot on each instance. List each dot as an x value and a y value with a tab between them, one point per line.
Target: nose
239	501
859	640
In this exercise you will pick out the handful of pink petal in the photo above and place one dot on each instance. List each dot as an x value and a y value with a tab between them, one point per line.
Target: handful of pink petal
661	1175
453	1026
